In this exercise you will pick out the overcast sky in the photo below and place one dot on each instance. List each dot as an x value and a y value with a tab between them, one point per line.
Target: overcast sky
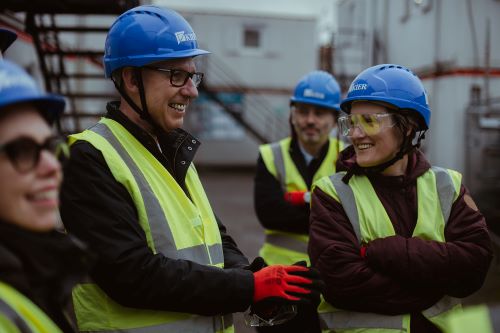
324	10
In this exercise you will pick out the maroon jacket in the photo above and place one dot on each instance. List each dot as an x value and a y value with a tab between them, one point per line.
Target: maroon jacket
400	274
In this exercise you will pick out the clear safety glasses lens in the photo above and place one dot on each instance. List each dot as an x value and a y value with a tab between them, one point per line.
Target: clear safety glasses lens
370	124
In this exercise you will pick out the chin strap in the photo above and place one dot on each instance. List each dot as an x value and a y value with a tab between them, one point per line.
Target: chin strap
143	113
406	147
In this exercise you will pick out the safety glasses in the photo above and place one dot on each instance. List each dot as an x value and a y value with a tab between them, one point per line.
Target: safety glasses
179	77
370	124
24	152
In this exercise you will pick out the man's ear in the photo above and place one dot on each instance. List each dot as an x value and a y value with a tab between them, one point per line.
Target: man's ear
130	80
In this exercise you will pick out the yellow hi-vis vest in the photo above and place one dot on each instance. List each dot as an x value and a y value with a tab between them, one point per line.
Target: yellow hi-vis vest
437	190
480	318
19	315
175	226
283	247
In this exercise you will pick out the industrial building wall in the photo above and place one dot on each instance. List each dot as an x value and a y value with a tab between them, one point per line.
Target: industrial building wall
288	49
451	44
445	141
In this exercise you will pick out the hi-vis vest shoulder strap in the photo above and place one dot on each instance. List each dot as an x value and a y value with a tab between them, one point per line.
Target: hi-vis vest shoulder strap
175	225
282	247
19	315
437	190
279	163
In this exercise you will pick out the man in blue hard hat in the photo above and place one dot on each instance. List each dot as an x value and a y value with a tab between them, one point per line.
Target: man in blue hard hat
285	172
133	194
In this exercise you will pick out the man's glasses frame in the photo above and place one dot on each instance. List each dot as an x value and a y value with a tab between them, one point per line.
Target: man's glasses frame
24	152
179	77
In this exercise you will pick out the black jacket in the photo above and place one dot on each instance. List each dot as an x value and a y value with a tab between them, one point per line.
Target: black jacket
272	210
100	211
44	267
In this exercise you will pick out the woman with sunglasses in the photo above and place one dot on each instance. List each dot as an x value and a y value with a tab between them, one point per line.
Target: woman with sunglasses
397	241
38	265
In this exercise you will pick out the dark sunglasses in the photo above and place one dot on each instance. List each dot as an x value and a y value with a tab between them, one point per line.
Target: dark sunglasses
24	152
179	77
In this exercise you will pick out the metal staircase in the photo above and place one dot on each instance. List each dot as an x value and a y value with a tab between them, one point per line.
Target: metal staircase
257	117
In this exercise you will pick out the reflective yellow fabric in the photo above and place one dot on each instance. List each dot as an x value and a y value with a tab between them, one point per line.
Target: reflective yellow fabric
375	223
175	225
472	319
35	319
289	248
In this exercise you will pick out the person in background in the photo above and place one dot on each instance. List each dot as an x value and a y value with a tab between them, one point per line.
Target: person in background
38	265
396	240
285	172
132	192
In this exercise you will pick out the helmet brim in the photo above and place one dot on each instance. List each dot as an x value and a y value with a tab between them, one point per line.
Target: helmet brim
334	107
143	60
51	106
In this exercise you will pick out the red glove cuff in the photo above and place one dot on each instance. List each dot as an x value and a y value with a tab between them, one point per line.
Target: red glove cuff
296	198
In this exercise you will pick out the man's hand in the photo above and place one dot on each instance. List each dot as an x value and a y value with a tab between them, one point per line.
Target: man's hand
256	265
316	287
287	283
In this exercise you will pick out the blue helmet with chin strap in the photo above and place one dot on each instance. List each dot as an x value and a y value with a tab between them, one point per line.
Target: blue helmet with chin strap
147	34
392	84
17	86
318	88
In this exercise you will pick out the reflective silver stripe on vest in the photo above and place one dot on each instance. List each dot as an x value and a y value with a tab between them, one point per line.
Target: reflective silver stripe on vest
160	230
446	191
495	317
444	304
14	317
346	197
352	320
196	324
286	242
279	163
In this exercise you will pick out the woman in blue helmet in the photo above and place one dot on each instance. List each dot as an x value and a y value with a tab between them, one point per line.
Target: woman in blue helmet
38	265
397	241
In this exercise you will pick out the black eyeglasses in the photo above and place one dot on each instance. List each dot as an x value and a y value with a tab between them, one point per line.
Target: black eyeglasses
179	77
24	152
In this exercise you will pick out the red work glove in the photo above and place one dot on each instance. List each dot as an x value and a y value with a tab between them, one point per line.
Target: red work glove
298	198
282	282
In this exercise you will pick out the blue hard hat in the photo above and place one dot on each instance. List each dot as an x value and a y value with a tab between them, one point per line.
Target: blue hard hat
7	37
17	86
147	34
392	84
318	88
